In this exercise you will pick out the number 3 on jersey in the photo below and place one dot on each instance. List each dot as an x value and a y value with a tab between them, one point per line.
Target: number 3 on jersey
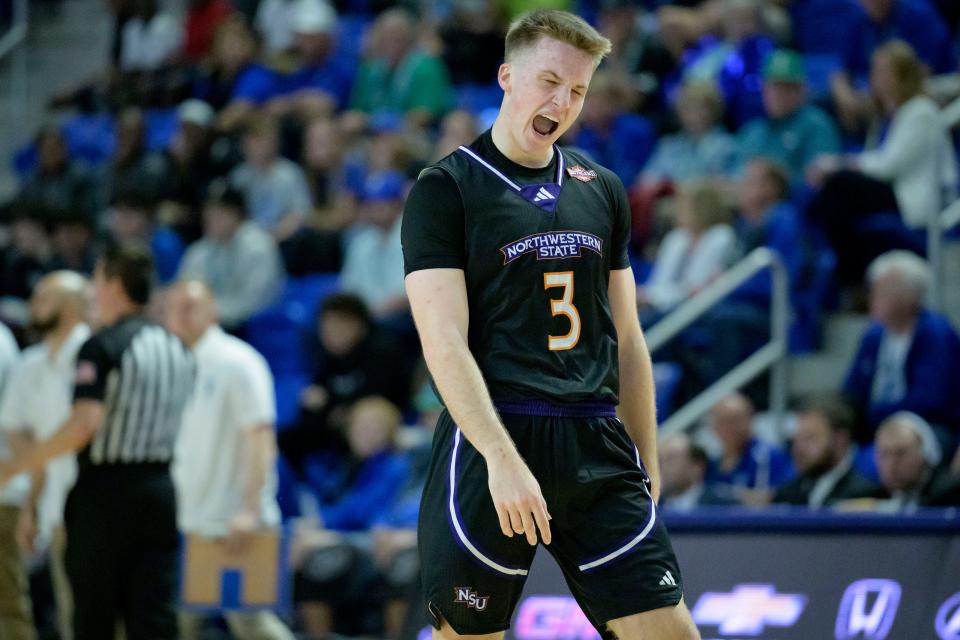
563	307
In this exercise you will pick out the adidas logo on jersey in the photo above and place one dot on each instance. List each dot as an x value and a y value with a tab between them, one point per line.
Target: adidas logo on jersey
543	194
667	580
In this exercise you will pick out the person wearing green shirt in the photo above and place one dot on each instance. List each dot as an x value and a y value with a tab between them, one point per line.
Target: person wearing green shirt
398	77
794	132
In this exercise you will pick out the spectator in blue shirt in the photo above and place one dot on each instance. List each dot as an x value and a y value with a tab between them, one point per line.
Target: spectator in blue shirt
909	356
379	473
372	482
734	62
748	469
792	132
321	83
234	84
914	21
614	137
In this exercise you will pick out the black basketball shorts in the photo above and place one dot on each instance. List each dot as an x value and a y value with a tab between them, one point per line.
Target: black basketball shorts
607	534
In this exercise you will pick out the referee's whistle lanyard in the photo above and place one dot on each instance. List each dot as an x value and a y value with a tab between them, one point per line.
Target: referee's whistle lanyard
543	195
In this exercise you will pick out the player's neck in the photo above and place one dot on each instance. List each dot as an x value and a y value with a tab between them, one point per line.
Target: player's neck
507	145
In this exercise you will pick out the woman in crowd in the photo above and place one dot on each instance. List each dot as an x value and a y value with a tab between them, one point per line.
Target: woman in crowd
883	198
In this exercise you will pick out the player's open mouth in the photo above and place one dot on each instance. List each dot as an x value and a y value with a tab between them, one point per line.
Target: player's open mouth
544	125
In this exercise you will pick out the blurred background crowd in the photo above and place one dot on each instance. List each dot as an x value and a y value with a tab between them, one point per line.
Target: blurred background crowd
265	147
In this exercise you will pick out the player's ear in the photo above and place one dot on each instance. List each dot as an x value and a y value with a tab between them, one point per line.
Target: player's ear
504	76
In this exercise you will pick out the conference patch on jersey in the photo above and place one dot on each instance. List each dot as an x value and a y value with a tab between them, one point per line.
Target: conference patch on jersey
553	245
582	174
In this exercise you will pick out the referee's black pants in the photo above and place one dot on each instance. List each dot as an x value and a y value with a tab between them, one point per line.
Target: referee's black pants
122	552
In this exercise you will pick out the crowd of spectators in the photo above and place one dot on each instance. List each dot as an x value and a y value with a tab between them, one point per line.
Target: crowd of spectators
265	149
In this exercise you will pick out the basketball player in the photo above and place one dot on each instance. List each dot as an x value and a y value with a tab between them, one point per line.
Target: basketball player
518	277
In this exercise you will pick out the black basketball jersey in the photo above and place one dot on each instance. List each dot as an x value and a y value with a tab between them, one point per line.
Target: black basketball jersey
536	247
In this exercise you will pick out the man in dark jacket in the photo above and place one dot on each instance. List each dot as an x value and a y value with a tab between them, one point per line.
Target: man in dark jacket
908	459
823	457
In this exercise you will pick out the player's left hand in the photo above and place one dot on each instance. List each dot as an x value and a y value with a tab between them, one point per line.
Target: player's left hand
242	527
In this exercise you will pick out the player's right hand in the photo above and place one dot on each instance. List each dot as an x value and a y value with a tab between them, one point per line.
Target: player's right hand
517	498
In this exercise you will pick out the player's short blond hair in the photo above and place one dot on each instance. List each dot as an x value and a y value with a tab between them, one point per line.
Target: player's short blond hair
566	27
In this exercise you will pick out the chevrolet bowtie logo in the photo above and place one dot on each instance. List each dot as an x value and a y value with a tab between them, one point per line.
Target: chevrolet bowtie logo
749	609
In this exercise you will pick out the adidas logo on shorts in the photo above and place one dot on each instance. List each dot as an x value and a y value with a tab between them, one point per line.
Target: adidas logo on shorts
667	580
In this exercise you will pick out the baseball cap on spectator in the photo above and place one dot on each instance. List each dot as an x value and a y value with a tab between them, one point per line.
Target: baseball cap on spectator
784	65
196	112
383	185
313	17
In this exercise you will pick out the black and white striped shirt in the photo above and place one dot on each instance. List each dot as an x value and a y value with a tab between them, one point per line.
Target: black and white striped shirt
144	376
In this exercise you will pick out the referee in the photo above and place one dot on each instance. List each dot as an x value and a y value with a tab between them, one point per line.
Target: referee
132	382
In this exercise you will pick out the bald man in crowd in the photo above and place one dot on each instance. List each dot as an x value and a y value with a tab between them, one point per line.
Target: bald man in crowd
36	401
226	451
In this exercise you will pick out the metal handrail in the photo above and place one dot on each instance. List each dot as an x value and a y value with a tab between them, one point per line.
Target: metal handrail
773	355
18	30
936	227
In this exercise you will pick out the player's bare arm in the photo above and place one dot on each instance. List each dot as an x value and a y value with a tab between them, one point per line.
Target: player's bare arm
438	299
76	432
637	401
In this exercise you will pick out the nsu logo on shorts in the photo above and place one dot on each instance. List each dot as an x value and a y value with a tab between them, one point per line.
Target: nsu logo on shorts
868	610
469	597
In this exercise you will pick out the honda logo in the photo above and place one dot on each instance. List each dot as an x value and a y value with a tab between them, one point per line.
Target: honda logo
948	618
868	609
749	609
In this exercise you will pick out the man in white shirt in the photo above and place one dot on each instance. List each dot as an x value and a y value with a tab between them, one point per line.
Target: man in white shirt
16	621
224	461
35	402
373	266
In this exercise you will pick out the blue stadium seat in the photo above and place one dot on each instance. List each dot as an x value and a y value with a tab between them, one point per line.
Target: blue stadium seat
865	463
820	26
666	378
809	304
90	138
162	125
475	98
287	490
287	388
305	294
276	332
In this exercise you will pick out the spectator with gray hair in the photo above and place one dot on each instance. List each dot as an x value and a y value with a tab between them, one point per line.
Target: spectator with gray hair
909	460
909	357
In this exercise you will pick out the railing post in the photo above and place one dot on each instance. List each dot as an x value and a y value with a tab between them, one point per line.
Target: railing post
935	260
779	323
771	356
